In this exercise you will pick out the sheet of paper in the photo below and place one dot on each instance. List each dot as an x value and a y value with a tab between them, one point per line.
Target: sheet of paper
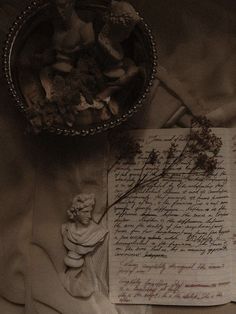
232	154
170	240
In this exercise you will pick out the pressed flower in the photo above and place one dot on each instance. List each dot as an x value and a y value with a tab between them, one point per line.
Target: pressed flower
152	158
202	147
172	150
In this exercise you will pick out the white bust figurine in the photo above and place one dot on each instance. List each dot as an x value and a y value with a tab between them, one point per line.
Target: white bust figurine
81	236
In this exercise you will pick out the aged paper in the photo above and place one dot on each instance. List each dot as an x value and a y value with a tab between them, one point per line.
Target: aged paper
169	241
232	154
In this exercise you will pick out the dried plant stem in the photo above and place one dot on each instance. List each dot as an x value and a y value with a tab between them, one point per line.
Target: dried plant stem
123	196
201	144
142	170
141	182
115	163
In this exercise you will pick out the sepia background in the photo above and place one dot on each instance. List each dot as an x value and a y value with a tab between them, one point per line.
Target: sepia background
196	42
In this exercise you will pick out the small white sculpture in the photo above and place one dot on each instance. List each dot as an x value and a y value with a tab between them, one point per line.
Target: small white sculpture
119	25
81	236
70	36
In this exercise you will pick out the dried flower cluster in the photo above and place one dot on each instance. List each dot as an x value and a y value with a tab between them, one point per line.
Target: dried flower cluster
68	93
152	158
202	147
82	72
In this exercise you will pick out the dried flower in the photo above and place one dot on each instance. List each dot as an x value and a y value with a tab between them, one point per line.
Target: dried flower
206	163
201	121
152	158
171	151
203	145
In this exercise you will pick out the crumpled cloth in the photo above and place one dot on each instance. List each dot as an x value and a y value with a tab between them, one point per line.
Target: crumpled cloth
82	281
39	175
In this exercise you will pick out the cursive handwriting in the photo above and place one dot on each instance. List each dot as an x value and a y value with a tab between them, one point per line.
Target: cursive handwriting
169	240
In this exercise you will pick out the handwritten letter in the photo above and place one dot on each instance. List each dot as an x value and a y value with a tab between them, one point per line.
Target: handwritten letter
169	241
232	151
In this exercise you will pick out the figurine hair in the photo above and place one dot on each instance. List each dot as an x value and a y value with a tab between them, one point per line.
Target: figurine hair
80	202
123	13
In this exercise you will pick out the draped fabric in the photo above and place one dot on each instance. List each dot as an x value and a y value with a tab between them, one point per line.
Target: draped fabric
39	175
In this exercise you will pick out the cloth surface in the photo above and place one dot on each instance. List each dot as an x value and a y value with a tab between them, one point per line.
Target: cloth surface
39	175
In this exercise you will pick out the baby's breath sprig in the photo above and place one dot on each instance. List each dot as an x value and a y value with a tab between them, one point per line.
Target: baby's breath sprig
202	147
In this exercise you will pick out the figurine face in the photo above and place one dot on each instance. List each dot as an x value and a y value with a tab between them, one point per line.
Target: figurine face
84	216
65	7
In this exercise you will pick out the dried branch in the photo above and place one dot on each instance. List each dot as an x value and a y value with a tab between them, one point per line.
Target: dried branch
202	147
